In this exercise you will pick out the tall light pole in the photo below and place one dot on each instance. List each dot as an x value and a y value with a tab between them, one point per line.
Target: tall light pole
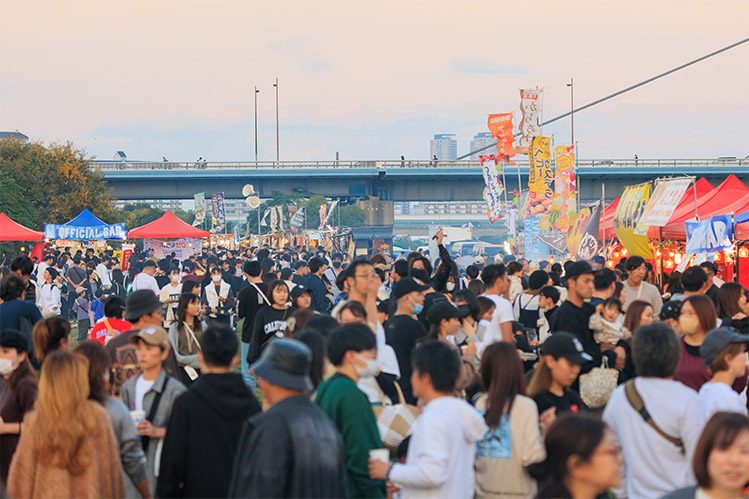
278	155
571	84
256	92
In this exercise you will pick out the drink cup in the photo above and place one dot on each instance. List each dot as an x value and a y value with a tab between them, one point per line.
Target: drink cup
138	416
380	455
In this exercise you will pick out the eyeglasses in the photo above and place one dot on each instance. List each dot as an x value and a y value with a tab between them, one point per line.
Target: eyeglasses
365	276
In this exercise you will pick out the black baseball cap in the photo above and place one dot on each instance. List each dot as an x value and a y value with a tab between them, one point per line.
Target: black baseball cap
718	339
298	290
565	345
445	310
578	269
12	338
407	285
671	310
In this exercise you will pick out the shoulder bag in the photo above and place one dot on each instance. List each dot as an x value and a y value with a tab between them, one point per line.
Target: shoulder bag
395	422
597	386
635	400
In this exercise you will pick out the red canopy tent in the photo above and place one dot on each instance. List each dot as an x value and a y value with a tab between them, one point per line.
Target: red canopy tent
607	229
731	196
12	231
168	226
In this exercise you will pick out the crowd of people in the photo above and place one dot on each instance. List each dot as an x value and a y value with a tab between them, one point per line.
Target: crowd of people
301	372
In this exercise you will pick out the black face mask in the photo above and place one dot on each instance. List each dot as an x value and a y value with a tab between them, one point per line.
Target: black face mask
336	265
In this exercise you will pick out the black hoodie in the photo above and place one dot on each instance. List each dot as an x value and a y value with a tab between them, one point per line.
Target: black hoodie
202	436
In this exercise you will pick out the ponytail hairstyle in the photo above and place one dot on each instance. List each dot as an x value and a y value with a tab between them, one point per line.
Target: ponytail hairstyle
541	380
570	435
48	335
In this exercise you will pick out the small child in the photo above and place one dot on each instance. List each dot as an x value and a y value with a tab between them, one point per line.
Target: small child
97	306
606	324
486	311
81	308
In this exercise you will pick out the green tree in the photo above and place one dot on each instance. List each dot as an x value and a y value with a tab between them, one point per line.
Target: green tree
13	201
55	181
185	216
138	214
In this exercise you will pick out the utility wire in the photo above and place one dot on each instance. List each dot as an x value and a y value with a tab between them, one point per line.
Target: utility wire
644	82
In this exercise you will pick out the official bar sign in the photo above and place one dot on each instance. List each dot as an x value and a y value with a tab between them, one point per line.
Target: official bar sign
54	231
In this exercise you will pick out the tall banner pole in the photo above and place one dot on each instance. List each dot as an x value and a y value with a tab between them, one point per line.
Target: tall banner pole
603	208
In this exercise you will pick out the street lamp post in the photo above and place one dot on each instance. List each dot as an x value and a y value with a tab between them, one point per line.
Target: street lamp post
256	92
278	155
571	84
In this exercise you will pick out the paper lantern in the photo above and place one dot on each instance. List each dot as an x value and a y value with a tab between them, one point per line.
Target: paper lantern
677	258
624	252
744	252
616	254
610	264
718	257
669	264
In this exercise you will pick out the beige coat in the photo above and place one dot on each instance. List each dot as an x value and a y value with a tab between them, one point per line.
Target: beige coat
103	477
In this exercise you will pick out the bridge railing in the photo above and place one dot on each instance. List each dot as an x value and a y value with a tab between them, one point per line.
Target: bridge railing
395	164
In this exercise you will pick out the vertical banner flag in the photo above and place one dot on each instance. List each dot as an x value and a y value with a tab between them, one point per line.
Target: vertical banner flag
500	125
565	188
273	219
323	211
265	215
531	107
199	209
535	249
666	197
280	217
588	245
631	206
330	211
493	191
297	221
217	202
540	181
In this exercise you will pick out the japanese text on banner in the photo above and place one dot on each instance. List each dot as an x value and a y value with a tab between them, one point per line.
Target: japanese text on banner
540	181
531	107
565	189
501	126
492	169
631	206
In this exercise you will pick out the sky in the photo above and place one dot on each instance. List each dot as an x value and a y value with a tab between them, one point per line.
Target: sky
369	80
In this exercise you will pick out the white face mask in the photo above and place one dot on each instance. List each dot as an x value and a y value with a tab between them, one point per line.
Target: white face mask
371	369
6	366
450	286
216	278
175	278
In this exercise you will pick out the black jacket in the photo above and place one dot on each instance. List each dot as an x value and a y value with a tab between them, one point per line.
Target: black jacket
317	288
202	437
291	450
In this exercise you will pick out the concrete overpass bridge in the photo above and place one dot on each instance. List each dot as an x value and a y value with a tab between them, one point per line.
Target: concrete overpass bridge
389	180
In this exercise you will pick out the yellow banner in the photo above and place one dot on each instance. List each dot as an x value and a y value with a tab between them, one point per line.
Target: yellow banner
540	181
565	188
631	206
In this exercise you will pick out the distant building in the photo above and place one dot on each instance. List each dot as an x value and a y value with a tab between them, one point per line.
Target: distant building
14	135
444	146
481	139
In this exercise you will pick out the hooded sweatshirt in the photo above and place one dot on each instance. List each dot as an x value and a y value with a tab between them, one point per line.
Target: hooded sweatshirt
203	434
442	451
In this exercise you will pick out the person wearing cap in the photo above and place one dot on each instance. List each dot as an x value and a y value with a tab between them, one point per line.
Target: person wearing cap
574	314
81	308
444	321
562	354
597	262
143	309
656	465
725	353
670	314
145	279
308	456
301	297
403	331
17	394
152	393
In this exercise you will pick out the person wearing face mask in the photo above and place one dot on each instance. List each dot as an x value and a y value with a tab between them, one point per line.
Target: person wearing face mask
444	321
353	351
218	298
17	395
403	331
170	296
333	271
698	317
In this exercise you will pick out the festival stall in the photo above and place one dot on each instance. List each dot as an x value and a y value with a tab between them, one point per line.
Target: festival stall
13	231
168	234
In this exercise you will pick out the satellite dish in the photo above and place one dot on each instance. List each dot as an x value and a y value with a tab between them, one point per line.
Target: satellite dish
253	201
248	190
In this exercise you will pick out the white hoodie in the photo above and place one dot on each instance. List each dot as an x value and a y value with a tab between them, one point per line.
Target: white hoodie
442	451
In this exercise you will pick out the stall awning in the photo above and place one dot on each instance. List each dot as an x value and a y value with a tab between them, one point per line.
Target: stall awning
168	226
13	231
373	232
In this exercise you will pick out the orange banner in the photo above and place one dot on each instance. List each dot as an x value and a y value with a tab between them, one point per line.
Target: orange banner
500	126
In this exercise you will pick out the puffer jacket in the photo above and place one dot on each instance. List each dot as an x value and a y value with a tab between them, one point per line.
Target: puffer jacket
291	450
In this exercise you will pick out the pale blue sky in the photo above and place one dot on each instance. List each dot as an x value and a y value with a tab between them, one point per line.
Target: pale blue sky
369	80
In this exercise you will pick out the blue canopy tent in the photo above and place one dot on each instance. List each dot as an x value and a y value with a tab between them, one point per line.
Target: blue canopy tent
85	227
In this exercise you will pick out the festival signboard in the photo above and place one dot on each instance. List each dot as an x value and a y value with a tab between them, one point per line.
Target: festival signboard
628	213
182	248
72	232
540	181
500	126
666	197
531	102
564	204
199	199
709	236
493	189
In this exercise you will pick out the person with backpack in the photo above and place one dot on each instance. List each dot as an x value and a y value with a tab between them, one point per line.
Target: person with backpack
525	307
113	323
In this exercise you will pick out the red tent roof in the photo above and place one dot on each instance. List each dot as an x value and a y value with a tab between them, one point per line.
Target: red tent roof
12	231
732	196
608	222
166	227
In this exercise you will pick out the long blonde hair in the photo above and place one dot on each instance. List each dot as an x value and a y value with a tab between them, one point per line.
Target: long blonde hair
63	413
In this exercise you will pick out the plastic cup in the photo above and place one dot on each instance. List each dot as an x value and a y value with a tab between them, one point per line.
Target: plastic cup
380	455
138	416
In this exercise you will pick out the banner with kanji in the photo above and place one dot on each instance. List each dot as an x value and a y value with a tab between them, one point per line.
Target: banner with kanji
565	188
535	249
531	102
664	200
217	202
493	189
582	237
500	126
540	181
323	211
631	207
